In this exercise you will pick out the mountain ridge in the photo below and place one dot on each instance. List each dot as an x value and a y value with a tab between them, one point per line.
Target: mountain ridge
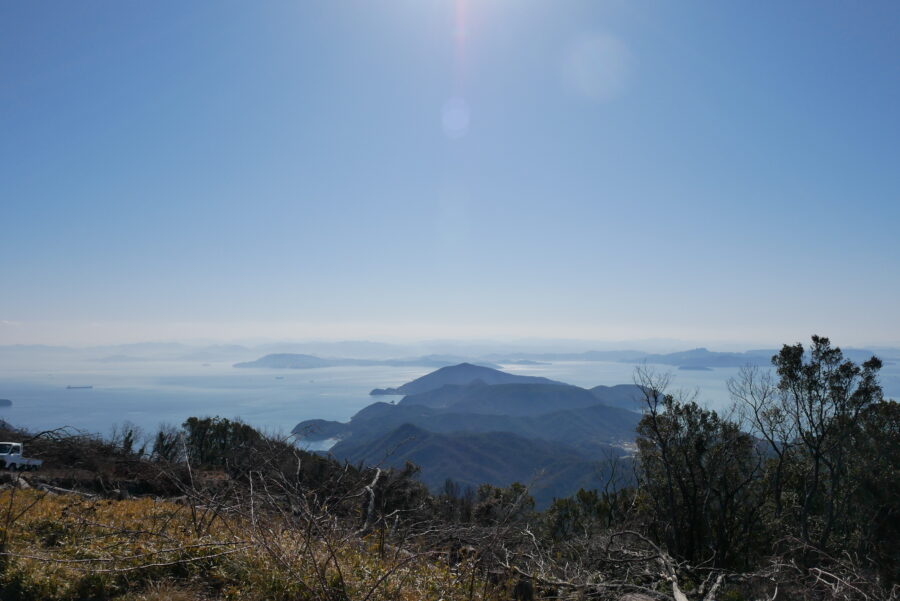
461	375
476	425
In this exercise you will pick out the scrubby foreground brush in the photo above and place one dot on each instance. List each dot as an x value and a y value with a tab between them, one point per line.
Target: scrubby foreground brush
794	496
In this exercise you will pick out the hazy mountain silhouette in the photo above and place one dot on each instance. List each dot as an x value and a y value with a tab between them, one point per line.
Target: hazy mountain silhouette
301	361
463	374
463	427
551	469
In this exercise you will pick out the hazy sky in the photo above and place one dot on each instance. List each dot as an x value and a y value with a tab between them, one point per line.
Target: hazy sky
420	168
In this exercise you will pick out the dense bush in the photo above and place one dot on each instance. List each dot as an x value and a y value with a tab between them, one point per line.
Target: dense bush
808	467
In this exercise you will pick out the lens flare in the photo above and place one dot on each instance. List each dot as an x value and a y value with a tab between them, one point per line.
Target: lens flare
597	67
455	114
455	118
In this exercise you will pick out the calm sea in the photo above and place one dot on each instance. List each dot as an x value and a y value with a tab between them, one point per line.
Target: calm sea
152	393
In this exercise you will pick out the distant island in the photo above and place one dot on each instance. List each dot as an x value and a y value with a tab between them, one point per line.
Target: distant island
525	362
690	359
5	403
121	359
301	361
475	424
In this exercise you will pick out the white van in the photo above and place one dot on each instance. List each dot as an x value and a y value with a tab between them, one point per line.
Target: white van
11	457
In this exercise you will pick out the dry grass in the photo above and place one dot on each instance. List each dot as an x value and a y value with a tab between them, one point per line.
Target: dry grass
168	591
67	547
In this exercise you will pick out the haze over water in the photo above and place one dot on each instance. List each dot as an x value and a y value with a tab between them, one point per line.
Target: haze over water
150	393
447	169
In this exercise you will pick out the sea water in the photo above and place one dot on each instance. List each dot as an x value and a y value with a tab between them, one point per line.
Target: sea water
151	393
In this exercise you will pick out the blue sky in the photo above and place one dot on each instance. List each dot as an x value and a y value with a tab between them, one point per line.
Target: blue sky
707	171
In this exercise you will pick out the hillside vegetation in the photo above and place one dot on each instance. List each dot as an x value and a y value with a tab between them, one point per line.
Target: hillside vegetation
474	425
805	508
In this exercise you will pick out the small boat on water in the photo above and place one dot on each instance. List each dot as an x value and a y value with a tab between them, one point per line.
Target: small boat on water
78	387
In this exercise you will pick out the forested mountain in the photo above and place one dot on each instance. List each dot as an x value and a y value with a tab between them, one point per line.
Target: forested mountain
463	374
551	469
474	424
